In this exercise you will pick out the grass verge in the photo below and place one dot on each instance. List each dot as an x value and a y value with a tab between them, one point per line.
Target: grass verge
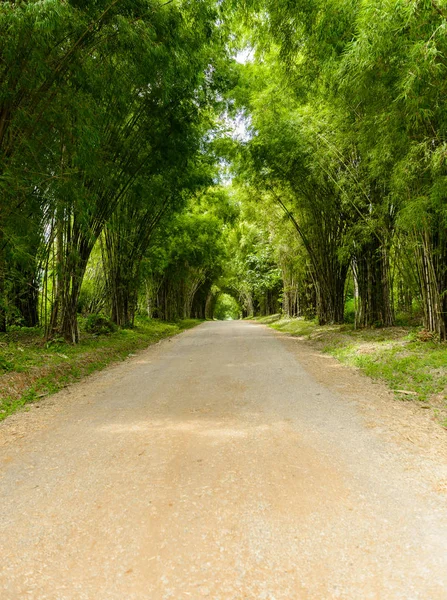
413	366
31	369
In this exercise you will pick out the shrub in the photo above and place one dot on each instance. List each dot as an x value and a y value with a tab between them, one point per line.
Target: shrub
99	324
6	365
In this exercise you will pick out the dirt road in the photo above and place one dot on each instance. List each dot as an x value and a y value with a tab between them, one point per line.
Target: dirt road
215	466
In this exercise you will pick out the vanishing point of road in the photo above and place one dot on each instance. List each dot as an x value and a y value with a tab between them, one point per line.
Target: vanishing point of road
214	465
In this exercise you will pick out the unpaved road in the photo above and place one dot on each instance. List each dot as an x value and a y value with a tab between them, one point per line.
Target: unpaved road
215	466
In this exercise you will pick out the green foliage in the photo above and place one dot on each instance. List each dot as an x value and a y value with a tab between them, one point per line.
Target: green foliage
227	308
188	254
99	325
350	311
348	135
5	365
112	135
105	110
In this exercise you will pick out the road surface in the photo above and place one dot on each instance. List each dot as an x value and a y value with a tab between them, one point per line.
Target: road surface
214	465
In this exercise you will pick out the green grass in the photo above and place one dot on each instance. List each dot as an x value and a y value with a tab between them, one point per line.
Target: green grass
415	370
31	369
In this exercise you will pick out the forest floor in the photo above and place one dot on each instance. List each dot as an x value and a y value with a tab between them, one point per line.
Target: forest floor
411	363
230	462
32	369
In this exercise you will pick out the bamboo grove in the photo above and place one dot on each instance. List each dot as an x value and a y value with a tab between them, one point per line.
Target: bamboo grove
105	109
345	105
123	192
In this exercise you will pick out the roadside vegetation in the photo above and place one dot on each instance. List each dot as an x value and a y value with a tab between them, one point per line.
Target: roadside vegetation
31	369
148	169
342	169
110	198
407	359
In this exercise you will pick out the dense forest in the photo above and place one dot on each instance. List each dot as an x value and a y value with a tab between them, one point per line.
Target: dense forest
192	158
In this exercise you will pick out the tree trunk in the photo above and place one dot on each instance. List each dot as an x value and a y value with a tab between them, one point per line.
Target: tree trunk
123	297
65	318
291	300
372	276
248	305
330	295
431	257
210	305
200	309
26	298
72	258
